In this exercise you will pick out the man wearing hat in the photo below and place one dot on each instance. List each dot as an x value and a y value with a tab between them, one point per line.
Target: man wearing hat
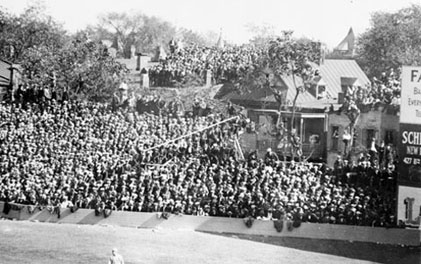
115	257
270	156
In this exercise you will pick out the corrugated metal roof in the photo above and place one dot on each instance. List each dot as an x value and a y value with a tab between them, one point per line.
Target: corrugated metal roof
265	94
332	70
303	97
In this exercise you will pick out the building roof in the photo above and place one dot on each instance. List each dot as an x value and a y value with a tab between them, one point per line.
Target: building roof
333	70
348	42
303	98
331	73
220	42
347	45
265	94
5	72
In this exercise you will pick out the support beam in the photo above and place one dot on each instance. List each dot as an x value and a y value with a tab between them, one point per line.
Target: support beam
189	134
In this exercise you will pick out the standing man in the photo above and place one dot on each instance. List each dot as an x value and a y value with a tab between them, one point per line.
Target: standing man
115	257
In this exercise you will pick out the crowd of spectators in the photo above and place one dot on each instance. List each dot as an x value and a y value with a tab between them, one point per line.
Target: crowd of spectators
88	155
154	104
227	64
234	62
385	90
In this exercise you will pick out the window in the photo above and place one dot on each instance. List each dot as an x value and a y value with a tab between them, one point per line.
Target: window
321	92
335	137
314	139
388	137
370	136
274	120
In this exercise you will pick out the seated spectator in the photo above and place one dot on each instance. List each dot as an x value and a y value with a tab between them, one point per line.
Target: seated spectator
84	154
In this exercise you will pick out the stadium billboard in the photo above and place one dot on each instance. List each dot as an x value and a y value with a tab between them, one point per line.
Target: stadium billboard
409	147
409	208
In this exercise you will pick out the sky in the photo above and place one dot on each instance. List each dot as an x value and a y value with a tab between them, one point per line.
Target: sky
327	21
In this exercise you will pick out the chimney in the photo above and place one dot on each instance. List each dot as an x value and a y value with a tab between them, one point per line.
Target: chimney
341	98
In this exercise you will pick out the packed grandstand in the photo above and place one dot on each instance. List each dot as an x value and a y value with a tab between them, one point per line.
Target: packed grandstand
151	155
228	64
135	129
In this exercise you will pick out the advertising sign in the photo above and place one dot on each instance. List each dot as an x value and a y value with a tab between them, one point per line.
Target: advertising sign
410	112
409	152
409	207
409	147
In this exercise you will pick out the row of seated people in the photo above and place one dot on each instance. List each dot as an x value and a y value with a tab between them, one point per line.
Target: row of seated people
225	64
83	154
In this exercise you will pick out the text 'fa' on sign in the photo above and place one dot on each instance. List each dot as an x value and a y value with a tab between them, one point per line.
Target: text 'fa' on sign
411	95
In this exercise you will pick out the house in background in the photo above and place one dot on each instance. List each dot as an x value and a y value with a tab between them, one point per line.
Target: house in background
313	107
266	110
378	125
10	77
346	48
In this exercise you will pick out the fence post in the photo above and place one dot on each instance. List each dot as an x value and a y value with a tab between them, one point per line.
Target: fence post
208	78
145	80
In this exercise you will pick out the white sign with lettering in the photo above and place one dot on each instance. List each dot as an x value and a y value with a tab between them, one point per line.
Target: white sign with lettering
409	148
411	95
409	205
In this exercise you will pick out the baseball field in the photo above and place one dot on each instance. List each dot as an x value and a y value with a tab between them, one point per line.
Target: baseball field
32	242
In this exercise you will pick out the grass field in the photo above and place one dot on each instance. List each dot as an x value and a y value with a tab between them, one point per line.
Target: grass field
29	242
377	253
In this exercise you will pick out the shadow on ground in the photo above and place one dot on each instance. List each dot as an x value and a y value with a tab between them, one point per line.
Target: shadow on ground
380	253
